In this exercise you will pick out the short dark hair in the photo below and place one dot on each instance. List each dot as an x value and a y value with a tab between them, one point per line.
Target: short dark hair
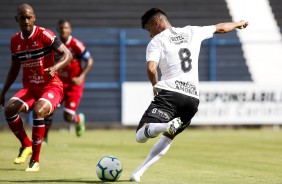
62	21
149	14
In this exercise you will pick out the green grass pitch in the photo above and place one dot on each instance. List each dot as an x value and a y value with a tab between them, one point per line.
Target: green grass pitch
197	156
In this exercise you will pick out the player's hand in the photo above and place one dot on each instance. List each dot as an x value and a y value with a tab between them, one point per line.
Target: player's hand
155	91
77	80
50	71
243	24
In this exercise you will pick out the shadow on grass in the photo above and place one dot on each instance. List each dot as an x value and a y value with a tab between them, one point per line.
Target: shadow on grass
59	181
51	180
10	169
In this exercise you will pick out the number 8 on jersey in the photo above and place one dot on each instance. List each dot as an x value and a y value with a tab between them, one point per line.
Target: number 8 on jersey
184	56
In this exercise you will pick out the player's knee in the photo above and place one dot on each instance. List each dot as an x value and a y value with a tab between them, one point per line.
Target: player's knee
140	140
12	109
140	137
40	112
41	109
9	112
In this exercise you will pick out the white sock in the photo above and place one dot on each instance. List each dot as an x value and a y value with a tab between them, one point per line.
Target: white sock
150	130
158	150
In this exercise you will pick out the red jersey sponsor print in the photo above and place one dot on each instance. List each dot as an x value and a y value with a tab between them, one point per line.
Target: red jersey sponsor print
74	69
35	54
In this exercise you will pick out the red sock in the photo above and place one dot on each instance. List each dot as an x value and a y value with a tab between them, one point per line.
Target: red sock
76	118
16	125
38	130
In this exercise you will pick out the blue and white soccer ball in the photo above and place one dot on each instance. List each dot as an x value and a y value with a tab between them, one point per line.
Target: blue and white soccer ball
109	168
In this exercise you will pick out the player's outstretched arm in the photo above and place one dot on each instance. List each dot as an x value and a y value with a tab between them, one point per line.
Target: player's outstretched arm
89	63
230	26
62	62
66	57
11	77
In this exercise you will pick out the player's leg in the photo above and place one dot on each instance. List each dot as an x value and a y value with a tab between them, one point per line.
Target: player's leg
15	122
72	101
176	103
152	130
158	118
40	110
45	106
48	123
19	103
78	119
186	108
158	150
155	120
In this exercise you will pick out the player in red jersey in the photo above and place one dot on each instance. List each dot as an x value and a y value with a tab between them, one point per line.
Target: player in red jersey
33	50
73	78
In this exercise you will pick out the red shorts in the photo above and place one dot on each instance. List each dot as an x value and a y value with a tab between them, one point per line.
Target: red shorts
72	97
52	94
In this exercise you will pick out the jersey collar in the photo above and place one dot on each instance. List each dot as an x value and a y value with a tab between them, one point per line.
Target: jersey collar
34	27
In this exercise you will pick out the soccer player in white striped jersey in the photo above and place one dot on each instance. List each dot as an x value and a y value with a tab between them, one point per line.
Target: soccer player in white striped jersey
175	51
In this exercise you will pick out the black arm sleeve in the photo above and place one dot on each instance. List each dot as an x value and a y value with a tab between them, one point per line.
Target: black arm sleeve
56	44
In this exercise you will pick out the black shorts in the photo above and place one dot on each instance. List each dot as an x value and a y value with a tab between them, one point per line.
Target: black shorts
168	105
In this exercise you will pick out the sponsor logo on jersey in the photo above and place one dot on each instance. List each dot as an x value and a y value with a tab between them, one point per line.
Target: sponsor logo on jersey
51	95
35	44
186	87
33	64
28	56
72	104
33	54
36	79
179	38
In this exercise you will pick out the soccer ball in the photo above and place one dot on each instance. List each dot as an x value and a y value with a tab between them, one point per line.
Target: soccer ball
109	168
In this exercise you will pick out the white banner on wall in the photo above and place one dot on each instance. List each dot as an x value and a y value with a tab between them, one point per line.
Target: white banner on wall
136	97
221	103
